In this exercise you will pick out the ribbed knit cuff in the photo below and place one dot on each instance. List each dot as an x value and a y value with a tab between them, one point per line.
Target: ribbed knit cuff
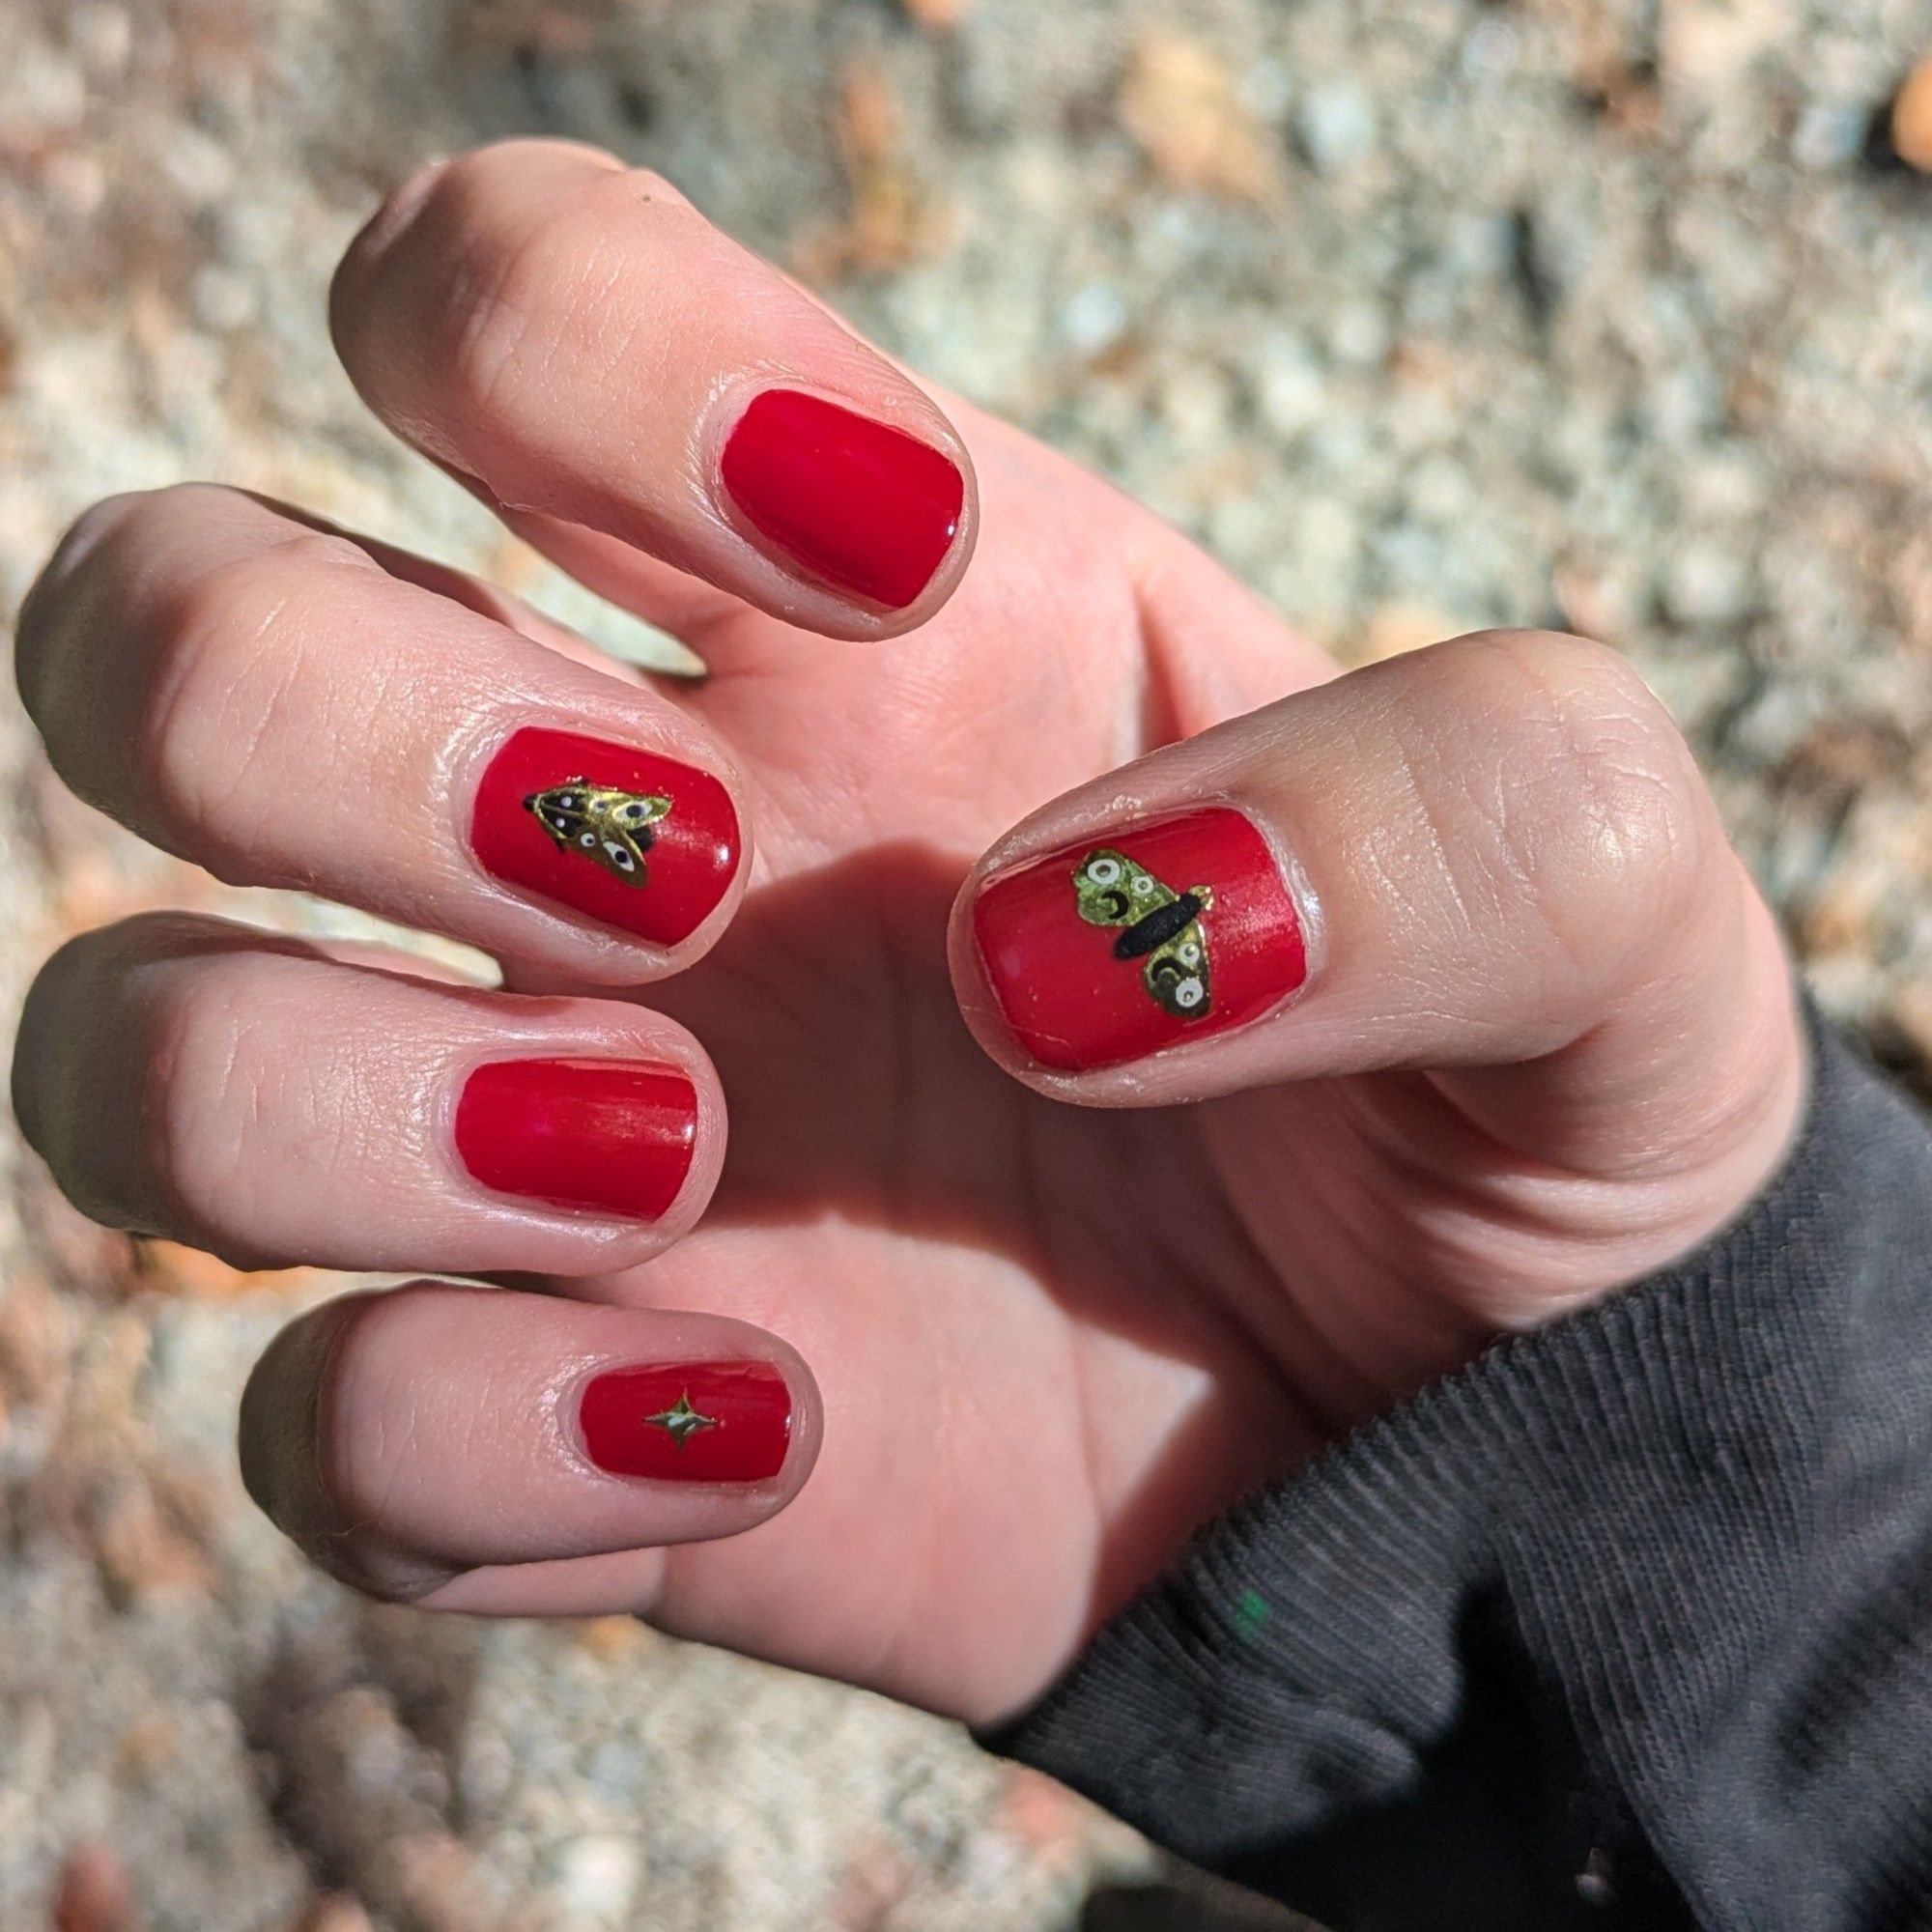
1582	1627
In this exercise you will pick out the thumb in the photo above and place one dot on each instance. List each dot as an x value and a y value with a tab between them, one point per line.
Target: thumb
1492	860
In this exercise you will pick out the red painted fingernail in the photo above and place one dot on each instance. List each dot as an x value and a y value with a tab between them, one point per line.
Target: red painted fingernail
867	509
626	837
689	1422
1130	941
615	1135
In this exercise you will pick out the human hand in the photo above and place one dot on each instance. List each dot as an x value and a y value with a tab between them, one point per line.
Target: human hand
1492	1020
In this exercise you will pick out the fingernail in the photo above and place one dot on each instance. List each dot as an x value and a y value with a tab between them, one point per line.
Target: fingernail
615	1135
865	507
689	1422
1131	941
625	837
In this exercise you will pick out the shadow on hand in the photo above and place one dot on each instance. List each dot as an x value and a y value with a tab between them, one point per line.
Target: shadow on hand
855	1087
857	1095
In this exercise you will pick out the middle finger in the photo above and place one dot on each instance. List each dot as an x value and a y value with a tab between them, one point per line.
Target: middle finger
268	701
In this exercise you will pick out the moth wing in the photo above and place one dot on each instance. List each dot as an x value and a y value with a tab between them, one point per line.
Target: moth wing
1114	890
1148	892
628	810
563	812
1177	975
616	837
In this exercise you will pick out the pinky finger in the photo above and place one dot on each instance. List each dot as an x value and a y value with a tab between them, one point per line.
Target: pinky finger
407	1438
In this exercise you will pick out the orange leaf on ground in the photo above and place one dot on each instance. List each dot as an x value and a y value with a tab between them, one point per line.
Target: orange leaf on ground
941	15
1182	105
1912	119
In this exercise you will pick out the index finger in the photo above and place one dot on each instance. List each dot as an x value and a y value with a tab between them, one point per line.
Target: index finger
573	337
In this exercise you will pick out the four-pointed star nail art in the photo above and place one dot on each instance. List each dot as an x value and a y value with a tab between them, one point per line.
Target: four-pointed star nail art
689	1422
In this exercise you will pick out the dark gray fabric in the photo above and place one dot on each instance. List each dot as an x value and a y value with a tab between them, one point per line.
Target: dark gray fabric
1629	1624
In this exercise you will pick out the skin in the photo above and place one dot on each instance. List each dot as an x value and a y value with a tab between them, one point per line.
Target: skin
1040	1326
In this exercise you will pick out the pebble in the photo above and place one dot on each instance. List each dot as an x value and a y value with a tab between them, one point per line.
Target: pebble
1830	134
1708	585
1290	391
598	1877
1360	334
1095	318
1491	50
1336	126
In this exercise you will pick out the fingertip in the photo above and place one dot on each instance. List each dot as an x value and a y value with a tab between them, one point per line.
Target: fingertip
575	340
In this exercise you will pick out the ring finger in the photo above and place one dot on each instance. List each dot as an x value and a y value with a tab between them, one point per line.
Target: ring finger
253	1096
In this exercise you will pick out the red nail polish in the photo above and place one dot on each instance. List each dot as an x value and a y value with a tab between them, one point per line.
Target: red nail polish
867	509
628	838
616	1135
1130	941
689	1422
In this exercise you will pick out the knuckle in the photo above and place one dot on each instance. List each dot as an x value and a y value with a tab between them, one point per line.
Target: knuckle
364	1454
96	567
356	1448
49	1075
157	629
223	675
498	261
277	1427
456	199
198	1064
237	1099
306	1454
531	304
83	1048
1599	815
185	1034
229	601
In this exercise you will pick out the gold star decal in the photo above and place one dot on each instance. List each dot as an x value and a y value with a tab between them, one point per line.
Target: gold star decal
680	1421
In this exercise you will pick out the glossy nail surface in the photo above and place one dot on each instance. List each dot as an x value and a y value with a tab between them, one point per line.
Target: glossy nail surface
865	507
689	1422
627	838
614	1135
1131	941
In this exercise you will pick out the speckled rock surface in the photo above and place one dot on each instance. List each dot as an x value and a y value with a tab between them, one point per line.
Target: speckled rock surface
1423	314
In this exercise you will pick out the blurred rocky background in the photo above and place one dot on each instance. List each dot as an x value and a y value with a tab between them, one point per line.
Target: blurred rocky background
1423	314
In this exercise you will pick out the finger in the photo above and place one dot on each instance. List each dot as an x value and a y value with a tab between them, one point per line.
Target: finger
576	339
1493	856
251	1095
407	1438
273	703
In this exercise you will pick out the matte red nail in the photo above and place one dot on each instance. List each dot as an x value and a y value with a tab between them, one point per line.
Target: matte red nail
867	509
611	1134
689	1422
629	839
1126	942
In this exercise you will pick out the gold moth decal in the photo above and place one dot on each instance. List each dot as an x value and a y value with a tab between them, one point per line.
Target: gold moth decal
608	826
1158	925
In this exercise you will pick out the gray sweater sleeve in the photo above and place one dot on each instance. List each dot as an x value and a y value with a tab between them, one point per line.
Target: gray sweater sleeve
1628	1624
